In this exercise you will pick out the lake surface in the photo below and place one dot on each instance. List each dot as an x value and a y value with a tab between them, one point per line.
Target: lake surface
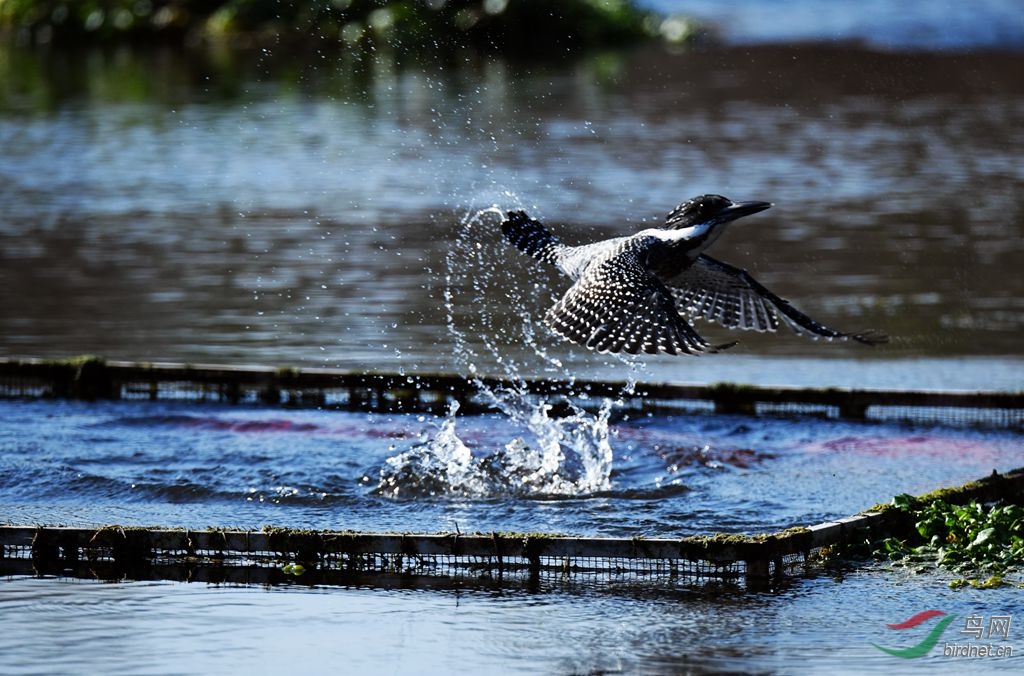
199	465
822	625
250	207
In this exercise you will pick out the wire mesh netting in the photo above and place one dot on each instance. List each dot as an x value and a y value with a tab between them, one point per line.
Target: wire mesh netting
129	551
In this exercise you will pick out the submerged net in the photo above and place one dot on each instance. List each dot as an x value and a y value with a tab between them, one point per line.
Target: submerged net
341	557
328	557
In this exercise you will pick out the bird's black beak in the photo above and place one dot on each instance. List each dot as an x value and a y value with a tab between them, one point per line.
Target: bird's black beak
739	210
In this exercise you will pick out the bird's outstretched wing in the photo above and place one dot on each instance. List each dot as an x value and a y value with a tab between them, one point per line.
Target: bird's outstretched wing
531	237
618	305
719	292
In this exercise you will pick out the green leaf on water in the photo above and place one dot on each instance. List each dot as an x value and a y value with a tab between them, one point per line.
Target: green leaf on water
974	539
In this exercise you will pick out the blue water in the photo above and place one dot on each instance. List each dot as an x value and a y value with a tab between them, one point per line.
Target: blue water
822	625
197	466
910	24
200	465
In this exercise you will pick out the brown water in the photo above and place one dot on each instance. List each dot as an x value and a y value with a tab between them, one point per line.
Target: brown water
158	207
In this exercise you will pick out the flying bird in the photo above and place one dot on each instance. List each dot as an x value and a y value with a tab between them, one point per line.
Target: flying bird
640	293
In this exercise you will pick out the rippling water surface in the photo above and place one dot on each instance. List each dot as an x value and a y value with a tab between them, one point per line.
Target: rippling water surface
820	626
201	466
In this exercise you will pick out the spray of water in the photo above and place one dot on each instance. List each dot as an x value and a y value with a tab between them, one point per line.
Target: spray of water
490	317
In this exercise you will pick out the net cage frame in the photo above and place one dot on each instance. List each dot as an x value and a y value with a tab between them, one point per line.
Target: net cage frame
94	378
243	556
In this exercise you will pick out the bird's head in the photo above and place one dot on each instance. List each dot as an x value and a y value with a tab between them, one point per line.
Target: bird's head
704	212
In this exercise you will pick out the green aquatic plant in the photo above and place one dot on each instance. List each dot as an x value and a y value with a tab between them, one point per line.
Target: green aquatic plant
974	539
296	569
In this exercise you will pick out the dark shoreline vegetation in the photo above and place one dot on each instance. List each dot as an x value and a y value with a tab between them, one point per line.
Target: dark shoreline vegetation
519	27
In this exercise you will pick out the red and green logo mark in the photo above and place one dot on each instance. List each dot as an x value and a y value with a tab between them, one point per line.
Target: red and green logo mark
929	641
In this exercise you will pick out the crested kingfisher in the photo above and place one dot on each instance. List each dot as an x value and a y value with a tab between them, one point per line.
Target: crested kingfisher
640	293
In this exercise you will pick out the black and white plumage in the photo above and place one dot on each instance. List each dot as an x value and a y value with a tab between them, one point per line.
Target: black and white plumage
640	293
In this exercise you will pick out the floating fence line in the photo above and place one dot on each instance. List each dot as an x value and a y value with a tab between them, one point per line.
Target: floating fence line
91	378
326	557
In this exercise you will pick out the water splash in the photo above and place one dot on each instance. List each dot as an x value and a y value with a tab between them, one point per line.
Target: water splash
440	465
559	448
555	456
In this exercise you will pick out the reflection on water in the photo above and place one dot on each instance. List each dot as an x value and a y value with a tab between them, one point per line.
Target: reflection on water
239	211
